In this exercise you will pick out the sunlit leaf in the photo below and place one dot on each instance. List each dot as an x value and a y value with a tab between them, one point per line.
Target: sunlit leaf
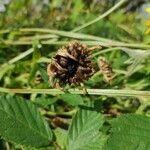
130	132
20	122
71	99
84	131
61	137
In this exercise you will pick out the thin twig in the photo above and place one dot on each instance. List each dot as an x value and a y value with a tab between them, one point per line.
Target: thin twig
20	56
100	17
66	114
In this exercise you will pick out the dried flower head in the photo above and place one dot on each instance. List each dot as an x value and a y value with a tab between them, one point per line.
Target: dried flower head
71	64
106	69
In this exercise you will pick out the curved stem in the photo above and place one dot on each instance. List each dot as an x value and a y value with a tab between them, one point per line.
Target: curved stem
105	51
100	17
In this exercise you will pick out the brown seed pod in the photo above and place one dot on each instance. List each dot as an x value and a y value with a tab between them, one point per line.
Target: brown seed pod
72	64
106	69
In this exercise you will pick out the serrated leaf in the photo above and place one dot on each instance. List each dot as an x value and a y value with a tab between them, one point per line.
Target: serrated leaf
130	132
72	99
138	56
20	122
84	131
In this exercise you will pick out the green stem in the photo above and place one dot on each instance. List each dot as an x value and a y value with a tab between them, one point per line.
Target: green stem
20	56
29	51
100	17
38	37
105	44
67	114
94	40
66	34
105	51
108	92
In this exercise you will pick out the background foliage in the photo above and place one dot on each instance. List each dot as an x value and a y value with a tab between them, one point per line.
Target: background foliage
31	31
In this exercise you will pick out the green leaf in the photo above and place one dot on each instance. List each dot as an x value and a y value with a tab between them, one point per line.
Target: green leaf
72	99
138	56
33	71
84	131
5	68
36	53
20	122
43	73
35	57
130	132
45	101
33	148
61	137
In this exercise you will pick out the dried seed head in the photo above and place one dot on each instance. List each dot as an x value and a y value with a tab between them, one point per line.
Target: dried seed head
71	64
106	69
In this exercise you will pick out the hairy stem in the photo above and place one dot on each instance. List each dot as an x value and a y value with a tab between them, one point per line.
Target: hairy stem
108	92
89	42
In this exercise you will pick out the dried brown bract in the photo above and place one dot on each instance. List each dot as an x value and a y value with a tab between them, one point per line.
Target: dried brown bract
72	64
38	79
106	69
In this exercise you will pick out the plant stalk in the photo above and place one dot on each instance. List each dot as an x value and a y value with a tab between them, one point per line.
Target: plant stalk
100	17
107	92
